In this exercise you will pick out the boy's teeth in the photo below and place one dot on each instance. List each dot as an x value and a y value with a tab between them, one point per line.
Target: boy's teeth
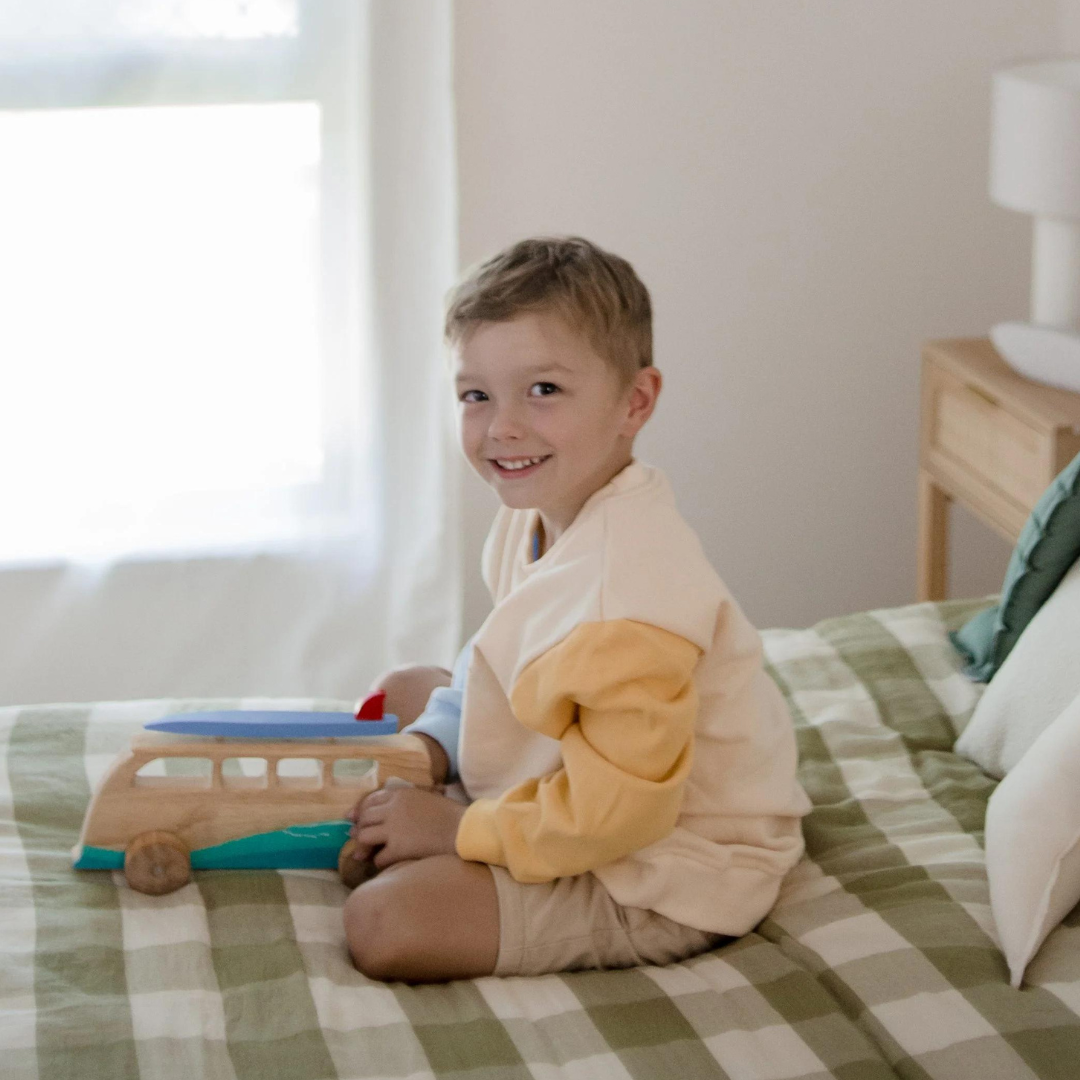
518	464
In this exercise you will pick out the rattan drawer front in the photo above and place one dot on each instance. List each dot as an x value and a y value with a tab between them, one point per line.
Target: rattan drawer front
990	441
977	432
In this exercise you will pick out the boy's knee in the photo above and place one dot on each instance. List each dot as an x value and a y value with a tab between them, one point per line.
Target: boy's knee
374	934
408	689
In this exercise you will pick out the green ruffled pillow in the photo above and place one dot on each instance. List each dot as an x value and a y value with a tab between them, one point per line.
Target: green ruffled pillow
1048	546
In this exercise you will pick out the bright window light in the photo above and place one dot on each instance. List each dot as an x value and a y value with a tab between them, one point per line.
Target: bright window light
160	373
76	20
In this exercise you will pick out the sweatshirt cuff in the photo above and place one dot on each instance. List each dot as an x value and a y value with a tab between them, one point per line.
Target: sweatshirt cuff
441	721
477	837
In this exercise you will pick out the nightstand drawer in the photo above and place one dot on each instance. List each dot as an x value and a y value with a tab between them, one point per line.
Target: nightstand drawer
990	440
973	429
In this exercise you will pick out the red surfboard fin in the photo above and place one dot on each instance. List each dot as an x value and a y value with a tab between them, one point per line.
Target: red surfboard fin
371	708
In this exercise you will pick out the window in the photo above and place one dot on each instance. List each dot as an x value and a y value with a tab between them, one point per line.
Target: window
177	353
355	772
55	22
301	774
175	772
244	774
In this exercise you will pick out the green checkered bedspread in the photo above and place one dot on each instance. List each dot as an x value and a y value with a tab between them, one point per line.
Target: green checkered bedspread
878	961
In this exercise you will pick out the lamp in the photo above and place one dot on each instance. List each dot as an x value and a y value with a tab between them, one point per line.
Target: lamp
1035	168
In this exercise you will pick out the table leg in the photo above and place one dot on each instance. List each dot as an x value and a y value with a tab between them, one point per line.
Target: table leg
933	548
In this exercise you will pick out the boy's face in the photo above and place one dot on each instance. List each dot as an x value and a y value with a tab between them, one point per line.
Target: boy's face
542	418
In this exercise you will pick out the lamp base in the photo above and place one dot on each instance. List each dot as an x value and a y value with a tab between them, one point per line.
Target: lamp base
1042	353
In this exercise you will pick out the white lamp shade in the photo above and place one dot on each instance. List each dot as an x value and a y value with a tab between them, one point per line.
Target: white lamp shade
1035	139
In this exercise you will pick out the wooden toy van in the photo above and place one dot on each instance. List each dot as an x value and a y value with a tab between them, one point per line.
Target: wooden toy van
176	802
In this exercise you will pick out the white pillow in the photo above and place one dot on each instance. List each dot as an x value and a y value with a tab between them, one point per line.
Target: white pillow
1039	677
1033	842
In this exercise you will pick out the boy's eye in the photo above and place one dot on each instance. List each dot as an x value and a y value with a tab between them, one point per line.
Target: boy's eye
546	389
474	395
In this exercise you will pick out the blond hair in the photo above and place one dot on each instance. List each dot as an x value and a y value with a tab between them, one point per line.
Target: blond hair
597	293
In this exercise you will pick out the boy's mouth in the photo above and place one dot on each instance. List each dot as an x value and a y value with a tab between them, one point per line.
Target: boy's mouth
517	468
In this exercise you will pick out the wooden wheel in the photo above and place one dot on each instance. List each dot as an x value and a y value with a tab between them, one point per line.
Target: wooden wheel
157	863
352	871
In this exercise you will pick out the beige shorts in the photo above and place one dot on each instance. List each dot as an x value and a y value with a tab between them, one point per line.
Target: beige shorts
572	923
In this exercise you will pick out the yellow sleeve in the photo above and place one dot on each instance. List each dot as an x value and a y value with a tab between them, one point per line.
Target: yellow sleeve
620	697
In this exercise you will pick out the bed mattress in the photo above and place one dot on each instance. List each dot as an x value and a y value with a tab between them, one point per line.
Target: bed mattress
879	960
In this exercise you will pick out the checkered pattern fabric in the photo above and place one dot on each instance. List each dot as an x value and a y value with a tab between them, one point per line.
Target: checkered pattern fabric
878	961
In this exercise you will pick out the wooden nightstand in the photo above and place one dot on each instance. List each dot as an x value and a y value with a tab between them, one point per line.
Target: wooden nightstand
991	440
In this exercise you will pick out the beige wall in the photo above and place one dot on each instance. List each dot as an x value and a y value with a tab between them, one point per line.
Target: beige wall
802	186
1069	26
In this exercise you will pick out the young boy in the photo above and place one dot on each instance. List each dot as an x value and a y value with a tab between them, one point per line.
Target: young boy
629	765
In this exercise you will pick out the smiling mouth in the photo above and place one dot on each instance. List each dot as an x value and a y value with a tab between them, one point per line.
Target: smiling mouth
518	467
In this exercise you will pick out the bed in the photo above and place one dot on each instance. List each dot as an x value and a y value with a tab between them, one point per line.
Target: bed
878	961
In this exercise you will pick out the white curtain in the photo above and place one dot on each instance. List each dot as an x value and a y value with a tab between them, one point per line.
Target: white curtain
376	580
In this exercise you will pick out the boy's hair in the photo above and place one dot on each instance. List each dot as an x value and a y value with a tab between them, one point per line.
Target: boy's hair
597	293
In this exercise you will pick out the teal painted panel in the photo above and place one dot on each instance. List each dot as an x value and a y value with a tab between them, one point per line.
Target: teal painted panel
99	858
299	847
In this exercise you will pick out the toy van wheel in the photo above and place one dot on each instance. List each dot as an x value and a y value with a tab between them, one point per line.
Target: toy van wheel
352	871
157	863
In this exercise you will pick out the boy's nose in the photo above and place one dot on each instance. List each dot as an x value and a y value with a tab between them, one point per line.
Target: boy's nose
506	424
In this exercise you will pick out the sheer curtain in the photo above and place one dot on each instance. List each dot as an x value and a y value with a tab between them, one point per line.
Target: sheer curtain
226	461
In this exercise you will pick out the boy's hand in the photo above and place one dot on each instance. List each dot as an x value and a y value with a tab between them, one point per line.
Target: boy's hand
404	823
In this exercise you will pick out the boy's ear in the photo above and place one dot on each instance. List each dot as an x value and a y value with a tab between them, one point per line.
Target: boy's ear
641	399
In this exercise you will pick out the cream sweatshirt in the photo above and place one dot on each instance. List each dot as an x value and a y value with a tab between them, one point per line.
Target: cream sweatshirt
617	717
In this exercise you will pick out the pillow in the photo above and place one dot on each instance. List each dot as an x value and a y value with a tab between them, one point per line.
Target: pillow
1038	679
1033	842
1049	544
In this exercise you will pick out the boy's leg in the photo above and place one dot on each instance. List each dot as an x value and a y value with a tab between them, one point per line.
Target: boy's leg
574	924
408	689
428	920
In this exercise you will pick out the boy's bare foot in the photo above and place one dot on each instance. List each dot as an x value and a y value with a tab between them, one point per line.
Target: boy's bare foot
353	871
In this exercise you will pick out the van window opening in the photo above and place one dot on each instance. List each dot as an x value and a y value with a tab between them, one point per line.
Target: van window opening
300	773
176	773
245	773
255	773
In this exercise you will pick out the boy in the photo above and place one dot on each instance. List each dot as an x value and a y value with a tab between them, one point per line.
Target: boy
629	764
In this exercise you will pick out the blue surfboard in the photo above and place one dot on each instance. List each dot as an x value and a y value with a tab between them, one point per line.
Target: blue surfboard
273	724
